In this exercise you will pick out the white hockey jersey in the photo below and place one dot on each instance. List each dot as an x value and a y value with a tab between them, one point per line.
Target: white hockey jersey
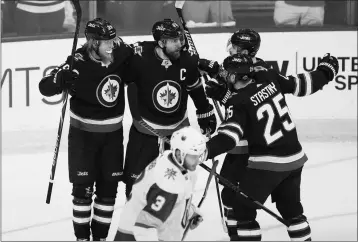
160	206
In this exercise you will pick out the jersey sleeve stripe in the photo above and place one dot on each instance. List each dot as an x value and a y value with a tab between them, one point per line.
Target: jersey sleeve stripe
145	226
147	220
233	126
231	129
197	84
308	79
303	85
232	135
298	86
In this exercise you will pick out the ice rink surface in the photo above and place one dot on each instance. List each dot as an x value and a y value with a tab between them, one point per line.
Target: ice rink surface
329	185
329	195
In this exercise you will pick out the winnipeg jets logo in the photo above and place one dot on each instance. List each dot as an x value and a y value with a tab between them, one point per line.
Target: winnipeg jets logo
166	64
166	96
245	37
160	28
108	90
236	60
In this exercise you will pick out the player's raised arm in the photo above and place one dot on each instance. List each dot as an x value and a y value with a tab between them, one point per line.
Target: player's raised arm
230	132
307	83
209	67
204	110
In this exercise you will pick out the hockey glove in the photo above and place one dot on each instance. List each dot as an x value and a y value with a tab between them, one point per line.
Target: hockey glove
196	217
65	80
329	65
217	90
210	67
207	120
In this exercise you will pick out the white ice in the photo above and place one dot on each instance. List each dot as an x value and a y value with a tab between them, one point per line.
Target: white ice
329	185
329	195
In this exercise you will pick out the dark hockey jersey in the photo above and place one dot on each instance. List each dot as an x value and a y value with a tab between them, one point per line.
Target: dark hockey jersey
242	147
98	102
259	112
163	87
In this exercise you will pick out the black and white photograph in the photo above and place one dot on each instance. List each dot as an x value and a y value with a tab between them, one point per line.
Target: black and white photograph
178	120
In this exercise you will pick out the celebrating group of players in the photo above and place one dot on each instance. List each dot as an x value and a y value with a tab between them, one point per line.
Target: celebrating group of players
264	156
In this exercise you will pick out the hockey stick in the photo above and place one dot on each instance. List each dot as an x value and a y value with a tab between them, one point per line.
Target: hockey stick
221	178
190	43
78	9
216	103
237	189
211	174
192	49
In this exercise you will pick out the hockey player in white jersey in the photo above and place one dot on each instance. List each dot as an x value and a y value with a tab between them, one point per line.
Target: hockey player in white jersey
159	206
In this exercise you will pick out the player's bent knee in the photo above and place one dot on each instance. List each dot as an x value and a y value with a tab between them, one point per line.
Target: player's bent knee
106	189
227	196
289	209
82	191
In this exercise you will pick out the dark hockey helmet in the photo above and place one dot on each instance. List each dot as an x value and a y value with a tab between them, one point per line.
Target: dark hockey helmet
238	67
166	29
99	29
247	39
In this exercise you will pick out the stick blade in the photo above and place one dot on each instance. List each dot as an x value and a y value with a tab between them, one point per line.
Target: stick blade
179	4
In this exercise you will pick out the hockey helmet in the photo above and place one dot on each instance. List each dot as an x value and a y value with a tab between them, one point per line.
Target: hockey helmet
238	67
188	141
99	29
166	29
246	39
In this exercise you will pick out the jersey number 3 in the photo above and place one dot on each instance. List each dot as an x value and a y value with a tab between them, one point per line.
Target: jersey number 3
158	204
288	125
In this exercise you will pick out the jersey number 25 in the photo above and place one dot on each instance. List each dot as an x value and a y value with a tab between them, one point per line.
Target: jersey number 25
270	135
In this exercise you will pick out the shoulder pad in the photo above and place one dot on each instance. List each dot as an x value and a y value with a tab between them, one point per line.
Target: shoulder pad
236	97
189	57
167	175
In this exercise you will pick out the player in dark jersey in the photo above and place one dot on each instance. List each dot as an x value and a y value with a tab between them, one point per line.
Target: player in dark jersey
258	111
95	139
243	41
165	76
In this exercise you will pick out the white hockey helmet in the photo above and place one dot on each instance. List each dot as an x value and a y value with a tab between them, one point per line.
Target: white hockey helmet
188	141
